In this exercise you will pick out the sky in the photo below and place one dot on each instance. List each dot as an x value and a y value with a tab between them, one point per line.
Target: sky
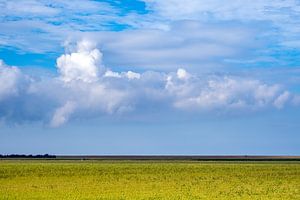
145	77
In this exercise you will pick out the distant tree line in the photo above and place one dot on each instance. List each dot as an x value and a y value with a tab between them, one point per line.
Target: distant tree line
27	156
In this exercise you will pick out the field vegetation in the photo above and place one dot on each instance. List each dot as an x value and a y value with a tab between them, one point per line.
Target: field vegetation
42	179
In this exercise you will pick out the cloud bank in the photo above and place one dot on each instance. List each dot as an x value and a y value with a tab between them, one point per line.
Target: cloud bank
85	88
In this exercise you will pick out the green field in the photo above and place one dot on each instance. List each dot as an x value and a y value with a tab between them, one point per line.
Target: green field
148	180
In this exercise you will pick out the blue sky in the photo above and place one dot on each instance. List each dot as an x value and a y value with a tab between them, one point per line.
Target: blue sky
150	77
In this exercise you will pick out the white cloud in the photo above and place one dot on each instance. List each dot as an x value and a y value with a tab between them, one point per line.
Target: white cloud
97	97
277	11
282	99
195	35
172	34
79	93
188	44
110	73
226	93
62	114
282	17
9	78
182	74
133	75
129	74
81	65
48	23
27	8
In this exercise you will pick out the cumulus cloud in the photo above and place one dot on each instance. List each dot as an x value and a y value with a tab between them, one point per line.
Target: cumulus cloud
80	65
128	74
110	73
80	91
133	75
229	93
81	73
9	78
182	74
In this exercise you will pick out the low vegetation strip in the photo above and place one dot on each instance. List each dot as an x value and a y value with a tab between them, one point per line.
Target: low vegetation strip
154	157
21	156
183	157
88	179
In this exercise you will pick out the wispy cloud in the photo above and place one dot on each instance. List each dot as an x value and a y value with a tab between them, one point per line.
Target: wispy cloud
53	21
187	43
166	32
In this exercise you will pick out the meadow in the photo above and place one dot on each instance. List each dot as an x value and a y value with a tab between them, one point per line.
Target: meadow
42	179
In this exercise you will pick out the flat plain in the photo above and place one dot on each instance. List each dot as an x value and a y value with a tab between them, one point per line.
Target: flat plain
94	179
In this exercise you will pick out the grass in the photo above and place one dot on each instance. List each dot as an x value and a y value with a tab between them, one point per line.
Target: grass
148	180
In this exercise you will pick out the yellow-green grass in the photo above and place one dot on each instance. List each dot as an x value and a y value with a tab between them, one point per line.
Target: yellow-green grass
148	180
